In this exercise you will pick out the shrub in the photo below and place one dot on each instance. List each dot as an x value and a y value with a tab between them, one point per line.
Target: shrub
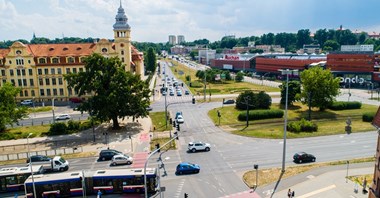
73	126
58	128
368	117
302	126
345	105
261	114
7	136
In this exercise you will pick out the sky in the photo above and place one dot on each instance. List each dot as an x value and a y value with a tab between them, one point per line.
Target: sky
155	20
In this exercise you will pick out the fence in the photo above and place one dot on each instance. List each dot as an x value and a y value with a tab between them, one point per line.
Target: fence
24	155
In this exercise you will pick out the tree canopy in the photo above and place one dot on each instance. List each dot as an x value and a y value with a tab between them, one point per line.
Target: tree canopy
10	113
321	85
150	60
294	88
114	92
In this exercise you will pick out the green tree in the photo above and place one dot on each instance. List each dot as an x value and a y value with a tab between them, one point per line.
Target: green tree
331	44
362	37
192	54
294	88
263	100
303	37
322	86
9	112
239	77
321	36
115	92
150	60
246	98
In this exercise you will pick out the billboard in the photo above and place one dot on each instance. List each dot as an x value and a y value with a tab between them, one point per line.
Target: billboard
228	66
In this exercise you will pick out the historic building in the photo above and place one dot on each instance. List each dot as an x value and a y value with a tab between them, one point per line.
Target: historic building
39	69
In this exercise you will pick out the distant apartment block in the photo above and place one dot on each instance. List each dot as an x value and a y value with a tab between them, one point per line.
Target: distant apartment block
172	39
311	49
180	39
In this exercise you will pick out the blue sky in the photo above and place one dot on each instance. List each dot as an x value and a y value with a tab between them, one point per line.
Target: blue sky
155	20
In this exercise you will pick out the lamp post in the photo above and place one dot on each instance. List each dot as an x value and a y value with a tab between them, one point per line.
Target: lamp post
256	167
53	110
31	165
286	72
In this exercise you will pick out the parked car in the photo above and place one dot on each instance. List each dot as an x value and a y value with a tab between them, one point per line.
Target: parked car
149	108
177	114
27	102
187	92
121	159
63	117
180	119
198	146
302	157
186	167
75	100
164	93
171	93
229	102
179	93
107	154
38	158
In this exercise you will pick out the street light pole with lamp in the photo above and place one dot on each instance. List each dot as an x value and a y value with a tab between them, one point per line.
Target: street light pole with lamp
31	165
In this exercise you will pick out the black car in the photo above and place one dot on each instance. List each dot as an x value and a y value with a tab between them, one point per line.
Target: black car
302	157
107	154
229	102
38	158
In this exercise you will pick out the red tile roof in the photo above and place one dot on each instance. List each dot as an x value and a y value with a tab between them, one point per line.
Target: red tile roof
4	52
75	49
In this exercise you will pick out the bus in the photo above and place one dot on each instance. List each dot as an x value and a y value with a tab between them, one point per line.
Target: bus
111	181
12	179
55	185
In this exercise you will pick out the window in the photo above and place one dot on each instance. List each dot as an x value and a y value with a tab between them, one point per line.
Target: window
104	50
60	82
32	92
41	81
70	60
42	92
30	72
29	61
61	91
13	82
122	52
31	82
122	59
46	71
42	61
3	72
26	93
21	93
70	91
52	70
39	71
53	81
74	70
10	62
80	69
19	61
18	72
11	72
23	72
55	92
67	70
47	81
82	59
48	93
59	70
55	60
24	81
19	82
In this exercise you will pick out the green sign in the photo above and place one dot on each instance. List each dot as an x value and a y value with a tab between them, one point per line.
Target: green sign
223	76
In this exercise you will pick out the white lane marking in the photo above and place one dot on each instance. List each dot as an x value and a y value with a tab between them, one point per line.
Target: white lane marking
317	191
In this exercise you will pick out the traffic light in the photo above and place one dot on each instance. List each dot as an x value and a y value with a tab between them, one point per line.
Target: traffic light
174	123
158	147
193	100
171	121
176	134
178	127
186	195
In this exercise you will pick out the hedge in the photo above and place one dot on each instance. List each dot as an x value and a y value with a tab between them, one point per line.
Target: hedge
368	117
302	126
261	114
345	105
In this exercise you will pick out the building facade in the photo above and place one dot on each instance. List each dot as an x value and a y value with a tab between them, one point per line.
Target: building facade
172	40
180	39
39	69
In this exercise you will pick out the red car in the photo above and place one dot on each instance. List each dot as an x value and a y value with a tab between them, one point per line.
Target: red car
75	100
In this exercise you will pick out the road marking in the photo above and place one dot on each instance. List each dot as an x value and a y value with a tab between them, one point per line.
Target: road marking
317	191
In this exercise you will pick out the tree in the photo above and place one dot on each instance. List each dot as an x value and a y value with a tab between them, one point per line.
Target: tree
294	88
193	53
246	98
115	92
9	112
239	77
362	37
303	37
264	101
321	37
150	60
321	85
331	44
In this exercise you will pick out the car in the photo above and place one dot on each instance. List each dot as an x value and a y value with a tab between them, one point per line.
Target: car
180	119
75	100
164	93
121	159
229	102
302	157
179	93
187	92
38	158
177	114
187	167
27	102
149	108
198	146
107	154
171	93
63	117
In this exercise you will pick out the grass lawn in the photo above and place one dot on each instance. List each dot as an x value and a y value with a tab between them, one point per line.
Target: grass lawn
226	87
158	120
23	132
329	122
39	109
162	141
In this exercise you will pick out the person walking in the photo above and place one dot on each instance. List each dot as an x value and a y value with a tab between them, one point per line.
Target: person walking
99	194
289	193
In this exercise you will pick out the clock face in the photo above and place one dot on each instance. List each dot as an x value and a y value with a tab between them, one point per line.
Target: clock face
18	52
104	50
122	45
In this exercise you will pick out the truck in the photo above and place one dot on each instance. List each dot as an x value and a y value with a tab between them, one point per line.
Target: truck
57	163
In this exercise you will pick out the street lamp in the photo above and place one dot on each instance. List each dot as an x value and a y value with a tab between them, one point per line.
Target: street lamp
256	167
286	72
31	165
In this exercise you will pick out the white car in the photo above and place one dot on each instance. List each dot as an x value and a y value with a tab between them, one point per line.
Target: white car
121	159
27	102
198	146
180	119
63	117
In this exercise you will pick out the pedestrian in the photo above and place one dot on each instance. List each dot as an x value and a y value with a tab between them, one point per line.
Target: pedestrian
364	185
99	194
289	193
293	193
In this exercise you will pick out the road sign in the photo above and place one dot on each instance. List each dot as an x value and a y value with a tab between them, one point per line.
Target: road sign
223	76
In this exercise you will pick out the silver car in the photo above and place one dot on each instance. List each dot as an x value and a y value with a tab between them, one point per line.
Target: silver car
121	159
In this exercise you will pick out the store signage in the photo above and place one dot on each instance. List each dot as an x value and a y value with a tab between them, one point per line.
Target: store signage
231	57
353	80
